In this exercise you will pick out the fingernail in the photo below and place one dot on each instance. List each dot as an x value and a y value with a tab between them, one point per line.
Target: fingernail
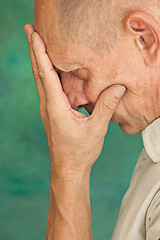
119	90
25	30
33	36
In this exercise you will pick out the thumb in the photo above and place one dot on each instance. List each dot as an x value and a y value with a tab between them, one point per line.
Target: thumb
105	107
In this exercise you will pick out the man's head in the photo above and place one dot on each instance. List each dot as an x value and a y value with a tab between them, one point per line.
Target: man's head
108	42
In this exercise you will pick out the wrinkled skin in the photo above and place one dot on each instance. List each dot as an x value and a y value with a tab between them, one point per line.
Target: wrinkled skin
75	141
124	65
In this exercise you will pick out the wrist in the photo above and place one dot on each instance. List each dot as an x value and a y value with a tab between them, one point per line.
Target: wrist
69	204
68	189
65	174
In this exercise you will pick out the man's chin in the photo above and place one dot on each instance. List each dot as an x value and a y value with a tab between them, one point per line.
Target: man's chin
116	119
132	128
129	127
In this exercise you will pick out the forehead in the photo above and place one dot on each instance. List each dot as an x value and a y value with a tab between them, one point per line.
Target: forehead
70	55
61	51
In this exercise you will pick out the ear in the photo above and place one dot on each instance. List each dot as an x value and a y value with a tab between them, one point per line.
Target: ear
146	32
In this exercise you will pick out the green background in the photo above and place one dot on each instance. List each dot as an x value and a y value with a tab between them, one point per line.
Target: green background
24	155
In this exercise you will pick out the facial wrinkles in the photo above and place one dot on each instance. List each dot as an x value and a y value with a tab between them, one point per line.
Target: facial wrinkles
100	72
154	91
69	57
64	54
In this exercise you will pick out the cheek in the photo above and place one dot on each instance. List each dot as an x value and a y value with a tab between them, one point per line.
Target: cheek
96	86
75	86
92	91
71	85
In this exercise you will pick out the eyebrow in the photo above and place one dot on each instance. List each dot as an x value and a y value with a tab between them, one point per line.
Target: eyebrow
71	69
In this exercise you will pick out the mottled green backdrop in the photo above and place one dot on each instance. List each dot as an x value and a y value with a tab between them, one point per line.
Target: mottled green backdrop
24	156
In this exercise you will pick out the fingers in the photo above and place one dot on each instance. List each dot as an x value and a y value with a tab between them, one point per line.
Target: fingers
105	108
49	78
29	30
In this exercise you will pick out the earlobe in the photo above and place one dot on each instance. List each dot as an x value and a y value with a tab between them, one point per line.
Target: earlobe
146	33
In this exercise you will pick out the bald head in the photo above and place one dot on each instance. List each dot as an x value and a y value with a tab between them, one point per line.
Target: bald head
96	24
127	35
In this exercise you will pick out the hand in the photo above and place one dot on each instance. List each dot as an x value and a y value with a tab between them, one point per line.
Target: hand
75	140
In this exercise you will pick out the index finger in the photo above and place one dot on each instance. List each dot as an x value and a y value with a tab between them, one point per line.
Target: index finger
49	78
29	30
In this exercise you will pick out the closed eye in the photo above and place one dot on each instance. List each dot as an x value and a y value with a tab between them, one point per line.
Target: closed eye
58	71
77	73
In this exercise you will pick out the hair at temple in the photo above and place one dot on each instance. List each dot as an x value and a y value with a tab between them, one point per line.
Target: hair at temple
98	24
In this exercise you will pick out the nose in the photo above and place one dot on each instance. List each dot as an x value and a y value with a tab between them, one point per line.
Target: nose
77	100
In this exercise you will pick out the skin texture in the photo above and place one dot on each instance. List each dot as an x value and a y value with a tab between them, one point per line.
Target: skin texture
124	65
75	141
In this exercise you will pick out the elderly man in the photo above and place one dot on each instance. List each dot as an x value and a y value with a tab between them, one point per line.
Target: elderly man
103	56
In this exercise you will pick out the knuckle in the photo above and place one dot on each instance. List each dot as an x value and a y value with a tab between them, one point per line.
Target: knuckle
42	76
41	109
109	105
34	70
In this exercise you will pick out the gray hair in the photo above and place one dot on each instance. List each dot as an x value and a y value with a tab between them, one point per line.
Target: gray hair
98	23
